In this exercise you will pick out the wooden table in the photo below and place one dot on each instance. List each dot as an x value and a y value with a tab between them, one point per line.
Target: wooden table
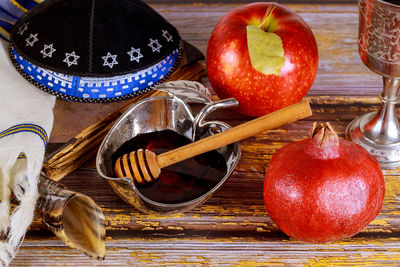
233	228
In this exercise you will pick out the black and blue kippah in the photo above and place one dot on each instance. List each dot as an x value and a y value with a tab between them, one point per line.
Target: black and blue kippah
94	50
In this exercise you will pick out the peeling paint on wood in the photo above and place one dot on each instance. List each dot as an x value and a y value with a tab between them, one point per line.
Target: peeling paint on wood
232	228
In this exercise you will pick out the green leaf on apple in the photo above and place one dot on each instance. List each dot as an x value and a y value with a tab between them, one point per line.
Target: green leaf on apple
265	50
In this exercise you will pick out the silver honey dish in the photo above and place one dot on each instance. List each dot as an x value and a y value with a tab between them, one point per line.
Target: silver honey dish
171	112
379	49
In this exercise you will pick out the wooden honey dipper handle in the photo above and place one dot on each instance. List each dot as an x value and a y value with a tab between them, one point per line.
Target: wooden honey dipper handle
144	166
291	113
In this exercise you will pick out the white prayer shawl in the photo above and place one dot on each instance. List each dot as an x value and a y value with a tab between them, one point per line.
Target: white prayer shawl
26	119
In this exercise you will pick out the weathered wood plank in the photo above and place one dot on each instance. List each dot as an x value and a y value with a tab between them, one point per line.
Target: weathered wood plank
237	209
145	252
233	228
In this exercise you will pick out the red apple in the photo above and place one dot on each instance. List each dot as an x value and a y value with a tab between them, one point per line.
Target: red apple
281	70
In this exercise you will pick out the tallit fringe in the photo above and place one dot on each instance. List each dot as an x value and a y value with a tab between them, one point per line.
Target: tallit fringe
5	200
21	179
6	253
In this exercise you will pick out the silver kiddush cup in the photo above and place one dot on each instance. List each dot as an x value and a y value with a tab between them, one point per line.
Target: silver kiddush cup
379	48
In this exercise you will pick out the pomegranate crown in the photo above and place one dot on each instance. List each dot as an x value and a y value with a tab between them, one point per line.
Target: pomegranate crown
324	141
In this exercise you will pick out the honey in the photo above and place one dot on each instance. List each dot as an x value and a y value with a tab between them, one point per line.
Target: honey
183	181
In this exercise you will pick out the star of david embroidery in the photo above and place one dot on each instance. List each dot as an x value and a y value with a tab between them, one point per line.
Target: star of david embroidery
23	28
155	46
47	51
69	56
109	63
167	36
32	39
132	54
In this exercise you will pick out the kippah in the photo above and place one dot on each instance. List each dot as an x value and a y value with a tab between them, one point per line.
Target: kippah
94	50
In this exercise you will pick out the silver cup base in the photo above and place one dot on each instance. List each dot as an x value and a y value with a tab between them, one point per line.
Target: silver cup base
388	155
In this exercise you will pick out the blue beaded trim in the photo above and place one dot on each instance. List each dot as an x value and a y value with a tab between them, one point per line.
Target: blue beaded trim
94	89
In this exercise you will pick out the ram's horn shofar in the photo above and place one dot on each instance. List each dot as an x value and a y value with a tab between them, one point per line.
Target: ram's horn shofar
73	217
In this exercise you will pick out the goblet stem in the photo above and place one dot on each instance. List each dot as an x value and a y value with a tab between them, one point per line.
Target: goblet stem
379	132
384	128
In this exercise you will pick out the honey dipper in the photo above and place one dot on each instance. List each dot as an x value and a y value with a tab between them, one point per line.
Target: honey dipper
143	166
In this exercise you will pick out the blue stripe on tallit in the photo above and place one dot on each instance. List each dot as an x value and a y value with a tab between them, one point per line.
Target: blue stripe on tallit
6	25
98	88
6	15
12	10
5	28
26	4
26	127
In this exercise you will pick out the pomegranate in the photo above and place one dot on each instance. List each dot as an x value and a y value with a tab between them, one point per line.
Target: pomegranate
323	189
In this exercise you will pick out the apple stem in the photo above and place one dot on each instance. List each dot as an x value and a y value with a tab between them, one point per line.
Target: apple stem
267	18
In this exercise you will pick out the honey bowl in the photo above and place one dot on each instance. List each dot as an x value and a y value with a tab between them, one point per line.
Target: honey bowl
166	119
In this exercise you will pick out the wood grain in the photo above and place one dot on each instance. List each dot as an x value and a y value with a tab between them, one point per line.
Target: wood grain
233	228
224	252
